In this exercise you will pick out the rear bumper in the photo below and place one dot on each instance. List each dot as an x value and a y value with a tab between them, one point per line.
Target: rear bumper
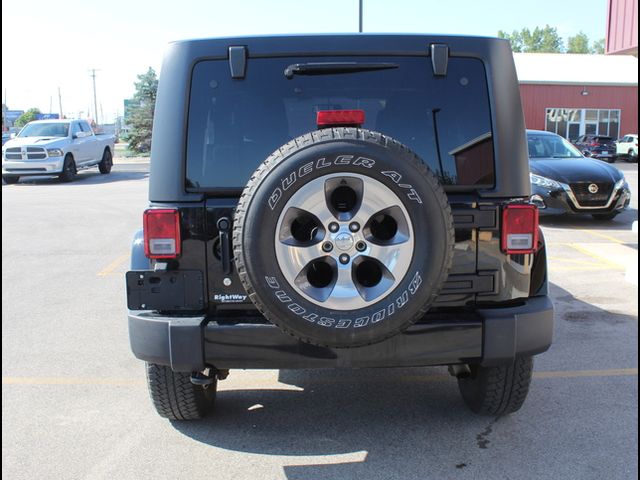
489	336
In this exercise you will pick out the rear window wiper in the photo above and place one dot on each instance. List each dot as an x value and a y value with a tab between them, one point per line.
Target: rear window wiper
330	68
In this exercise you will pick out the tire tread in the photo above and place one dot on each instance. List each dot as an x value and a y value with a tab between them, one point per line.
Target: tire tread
174	396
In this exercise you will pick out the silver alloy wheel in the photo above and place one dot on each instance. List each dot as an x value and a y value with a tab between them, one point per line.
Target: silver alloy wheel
343	241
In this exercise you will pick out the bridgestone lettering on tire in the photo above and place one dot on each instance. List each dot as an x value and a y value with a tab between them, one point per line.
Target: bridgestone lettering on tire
343	237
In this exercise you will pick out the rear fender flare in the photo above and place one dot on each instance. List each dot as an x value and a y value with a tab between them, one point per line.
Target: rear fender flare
539	270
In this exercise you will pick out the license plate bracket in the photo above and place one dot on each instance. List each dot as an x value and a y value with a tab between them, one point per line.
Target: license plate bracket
181	290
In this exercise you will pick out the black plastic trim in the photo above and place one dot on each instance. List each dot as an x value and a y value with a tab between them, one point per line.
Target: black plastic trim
481	283
439	59
238	61
489	336
525	330
485	218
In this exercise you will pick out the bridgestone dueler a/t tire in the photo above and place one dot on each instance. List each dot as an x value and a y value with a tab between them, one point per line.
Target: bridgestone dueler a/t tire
343	151
175	397
497	390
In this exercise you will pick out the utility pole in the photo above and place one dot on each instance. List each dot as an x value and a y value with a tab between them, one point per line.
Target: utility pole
50	103
360	16
95	98
60	103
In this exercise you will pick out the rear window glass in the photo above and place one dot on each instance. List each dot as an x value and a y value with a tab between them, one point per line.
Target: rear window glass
235	124
603	139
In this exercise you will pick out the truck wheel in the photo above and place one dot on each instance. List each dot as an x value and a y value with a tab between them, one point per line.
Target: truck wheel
632	156
343	237
68	170
175	397
497	390
10	179
106	163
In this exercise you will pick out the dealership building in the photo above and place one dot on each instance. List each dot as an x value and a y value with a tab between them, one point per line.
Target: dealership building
575	94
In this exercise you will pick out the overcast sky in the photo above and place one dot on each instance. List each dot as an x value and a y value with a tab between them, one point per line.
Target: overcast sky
49	44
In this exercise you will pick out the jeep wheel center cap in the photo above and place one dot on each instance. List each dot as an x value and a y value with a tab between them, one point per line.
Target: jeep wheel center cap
344	241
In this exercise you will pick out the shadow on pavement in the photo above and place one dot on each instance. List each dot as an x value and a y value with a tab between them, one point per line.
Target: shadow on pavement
84	178
390	420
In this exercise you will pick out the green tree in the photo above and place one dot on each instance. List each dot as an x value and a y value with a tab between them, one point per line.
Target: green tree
141	119
26	117
515	38
578	43
598	47
541	40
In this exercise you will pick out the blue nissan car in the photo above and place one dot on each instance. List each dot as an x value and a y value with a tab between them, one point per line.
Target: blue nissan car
565	182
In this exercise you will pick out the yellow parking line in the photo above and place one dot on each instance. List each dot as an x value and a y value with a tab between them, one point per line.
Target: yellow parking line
601	267
577	261
616	372
606	237
108	270
239	383
113	382
602	259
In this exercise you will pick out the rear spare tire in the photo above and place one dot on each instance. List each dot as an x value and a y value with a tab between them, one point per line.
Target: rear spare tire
343	237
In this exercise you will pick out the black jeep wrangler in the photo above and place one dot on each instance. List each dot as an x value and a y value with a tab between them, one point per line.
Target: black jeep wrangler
338	201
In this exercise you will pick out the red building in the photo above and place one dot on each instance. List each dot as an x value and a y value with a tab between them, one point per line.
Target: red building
622	27
574	95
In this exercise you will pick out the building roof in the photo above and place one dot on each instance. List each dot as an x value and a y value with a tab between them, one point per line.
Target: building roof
576	69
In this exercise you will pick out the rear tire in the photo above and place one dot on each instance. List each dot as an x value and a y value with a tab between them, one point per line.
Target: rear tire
106	163
497	390
68	170
604	217
632	156
10	179
175	397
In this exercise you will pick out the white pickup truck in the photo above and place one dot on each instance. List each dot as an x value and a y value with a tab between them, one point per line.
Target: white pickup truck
56	147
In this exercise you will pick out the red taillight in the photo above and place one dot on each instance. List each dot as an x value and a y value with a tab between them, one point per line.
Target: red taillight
519	229
594	144
161	233
340	118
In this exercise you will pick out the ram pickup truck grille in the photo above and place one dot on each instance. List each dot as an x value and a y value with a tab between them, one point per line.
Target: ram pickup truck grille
32	153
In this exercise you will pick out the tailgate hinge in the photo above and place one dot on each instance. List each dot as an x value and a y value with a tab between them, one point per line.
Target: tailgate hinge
238	61
439	59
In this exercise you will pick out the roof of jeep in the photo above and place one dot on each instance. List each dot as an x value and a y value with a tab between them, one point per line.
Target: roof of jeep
338	43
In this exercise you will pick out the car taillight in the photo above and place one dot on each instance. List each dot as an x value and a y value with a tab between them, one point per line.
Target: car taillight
594	144
161	233
519	229
339	118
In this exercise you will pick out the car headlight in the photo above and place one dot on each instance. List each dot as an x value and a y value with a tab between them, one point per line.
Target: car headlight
55	152
543	181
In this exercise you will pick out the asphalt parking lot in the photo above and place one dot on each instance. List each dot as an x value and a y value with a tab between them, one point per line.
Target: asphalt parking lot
74	401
